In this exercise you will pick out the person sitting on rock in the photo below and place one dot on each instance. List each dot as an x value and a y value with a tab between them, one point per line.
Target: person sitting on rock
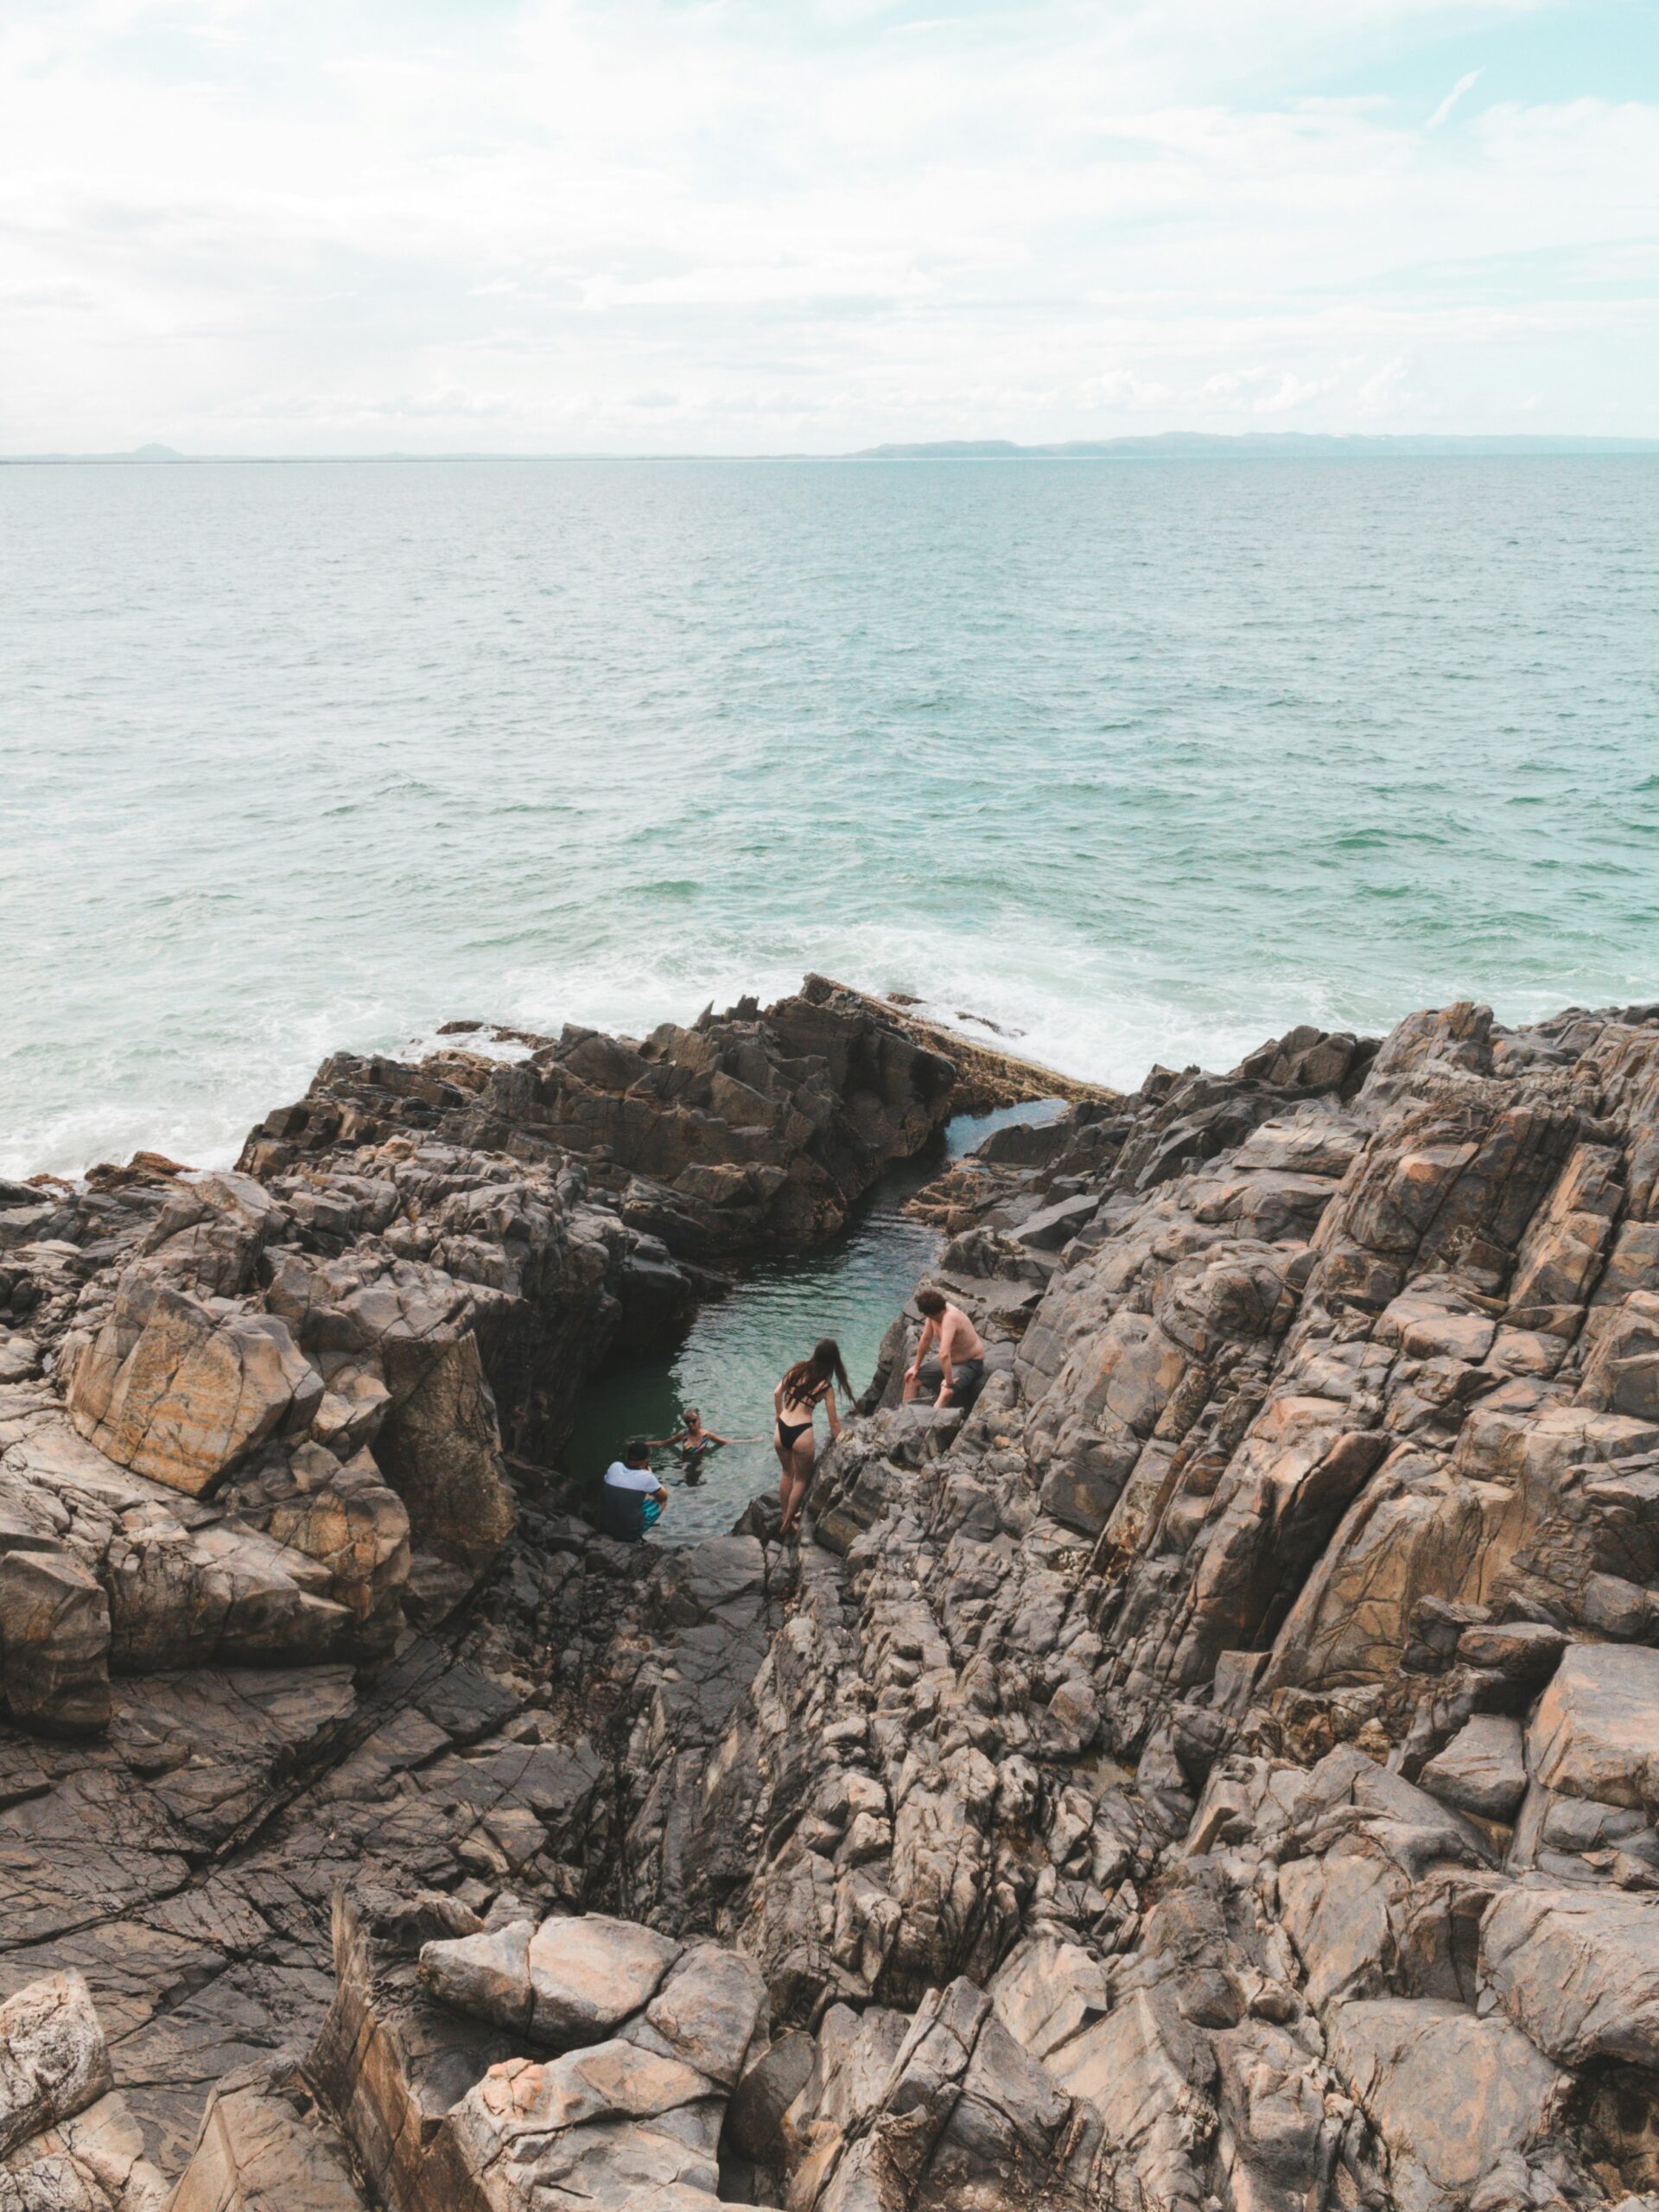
633	1495
960	1360
809	1383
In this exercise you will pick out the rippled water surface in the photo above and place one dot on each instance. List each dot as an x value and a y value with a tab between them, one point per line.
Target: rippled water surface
1147	762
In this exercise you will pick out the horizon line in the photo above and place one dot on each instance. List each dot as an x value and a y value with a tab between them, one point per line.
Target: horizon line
1154	445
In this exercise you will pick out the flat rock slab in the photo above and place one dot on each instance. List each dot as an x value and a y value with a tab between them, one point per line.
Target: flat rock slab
723	1580
1051	1227
216	1743
96	1846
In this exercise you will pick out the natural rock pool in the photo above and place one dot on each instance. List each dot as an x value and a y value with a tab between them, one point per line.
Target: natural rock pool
729	1363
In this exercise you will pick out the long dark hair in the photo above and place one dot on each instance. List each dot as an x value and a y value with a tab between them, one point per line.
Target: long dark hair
808	1380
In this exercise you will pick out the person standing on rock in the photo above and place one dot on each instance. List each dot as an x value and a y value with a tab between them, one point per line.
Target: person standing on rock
961	1355
809	1383
634	1494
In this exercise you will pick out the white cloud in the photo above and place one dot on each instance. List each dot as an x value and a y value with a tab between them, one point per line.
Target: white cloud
1466	83
1383	392
570	224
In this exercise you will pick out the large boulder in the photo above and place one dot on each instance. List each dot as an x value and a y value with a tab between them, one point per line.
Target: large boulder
54	2062
627	2119
586	1975
1483	1770
1456	2099
178	1392
1578	1971
1595	1732
575	1981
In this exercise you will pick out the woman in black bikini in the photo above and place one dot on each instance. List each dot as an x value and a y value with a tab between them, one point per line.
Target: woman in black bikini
809	1383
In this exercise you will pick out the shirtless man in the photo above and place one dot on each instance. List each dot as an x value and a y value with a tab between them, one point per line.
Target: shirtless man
960	1353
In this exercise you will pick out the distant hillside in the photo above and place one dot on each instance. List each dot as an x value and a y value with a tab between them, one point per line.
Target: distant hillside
1176	445
1270	444
138	453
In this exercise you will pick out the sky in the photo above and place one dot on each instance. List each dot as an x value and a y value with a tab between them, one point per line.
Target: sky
328	226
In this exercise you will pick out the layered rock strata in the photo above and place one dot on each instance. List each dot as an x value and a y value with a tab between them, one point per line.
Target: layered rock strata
1220	1770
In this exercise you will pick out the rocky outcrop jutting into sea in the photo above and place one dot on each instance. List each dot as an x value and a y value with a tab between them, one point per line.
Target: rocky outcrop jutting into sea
1218	1770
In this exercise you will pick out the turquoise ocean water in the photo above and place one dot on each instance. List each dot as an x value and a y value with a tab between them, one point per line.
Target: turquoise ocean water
1144	761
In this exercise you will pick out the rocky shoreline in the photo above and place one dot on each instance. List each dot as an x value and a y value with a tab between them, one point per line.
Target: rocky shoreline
1219	1771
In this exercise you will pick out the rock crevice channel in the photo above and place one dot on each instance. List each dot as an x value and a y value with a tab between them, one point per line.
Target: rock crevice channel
1218	1772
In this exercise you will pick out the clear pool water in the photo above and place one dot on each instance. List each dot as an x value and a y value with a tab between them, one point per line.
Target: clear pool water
729	1363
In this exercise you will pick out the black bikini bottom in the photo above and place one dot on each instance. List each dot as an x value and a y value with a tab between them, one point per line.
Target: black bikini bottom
787	1434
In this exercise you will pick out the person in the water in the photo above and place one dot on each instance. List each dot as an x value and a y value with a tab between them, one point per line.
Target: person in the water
693	1442
808	1385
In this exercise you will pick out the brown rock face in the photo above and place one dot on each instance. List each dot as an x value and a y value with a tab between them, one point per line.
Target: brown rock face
172	1391
1215	1769
54	1643
746	1132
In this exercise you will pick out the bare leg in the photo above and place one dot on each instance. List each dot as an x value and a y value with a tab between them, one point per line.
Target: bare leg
796	1480
786	1474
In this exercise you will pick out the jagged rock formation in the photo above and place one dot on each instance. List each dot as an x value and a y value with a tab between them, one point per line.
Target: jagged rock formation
732	1137
1220	1771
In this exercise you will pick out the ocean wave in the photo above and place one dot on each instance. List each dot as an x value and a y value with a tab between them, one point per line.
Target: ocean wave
1135	797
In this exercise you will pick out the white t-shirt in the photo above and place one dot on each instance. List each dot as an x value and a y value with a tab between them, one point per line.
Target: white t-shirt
621	1478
